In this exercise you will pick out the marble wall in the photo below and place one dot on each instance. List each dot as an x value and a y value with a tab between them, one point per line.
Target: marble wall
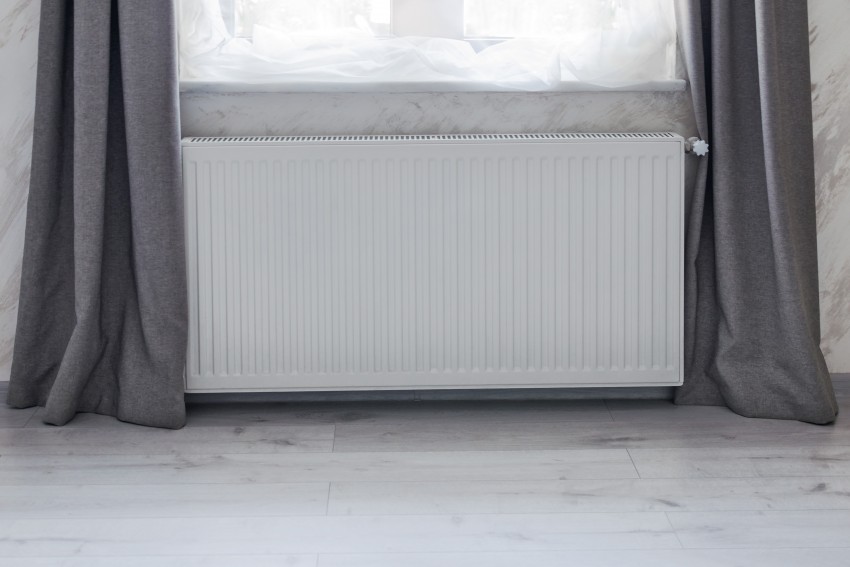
304	113
432	113
829	22
18	36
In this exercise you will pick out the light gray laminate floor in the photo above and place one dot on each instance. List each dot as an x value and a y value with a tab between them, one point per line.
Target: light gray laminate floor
438	483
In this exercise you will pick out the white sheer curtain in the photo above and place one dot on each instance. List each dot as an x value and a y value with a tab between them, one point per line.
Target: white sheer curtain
512	44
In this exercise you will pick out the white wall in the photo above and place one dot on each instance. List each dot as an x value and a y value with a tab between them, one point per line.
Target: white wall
829	35
236	114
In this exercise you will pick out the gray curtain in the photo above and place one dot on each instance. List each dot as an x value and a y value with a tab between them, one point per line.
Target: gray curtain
102	314
752	329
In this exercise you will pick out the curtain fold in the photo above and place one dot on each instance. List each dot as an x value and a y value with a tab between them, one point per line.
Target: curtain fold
102	320
752	316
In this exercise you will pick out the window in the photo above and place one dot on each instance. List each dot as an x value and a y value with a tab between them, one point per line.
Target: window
478	44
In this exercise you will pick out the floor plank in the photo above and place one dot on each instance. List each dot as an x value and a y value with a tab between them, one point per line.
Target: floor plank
435	435
586	496
336	534
88	420
133	440
667	412
163	500
323	413
796	529
242	560
596	558
742	462
454	412
314	467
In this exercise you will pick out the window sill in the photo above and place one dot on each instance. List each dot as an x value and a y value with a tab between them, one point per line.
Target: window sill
195	86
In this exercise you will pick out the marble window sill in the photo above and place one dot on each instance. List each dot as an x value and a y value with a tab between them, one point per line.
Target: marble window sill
192	86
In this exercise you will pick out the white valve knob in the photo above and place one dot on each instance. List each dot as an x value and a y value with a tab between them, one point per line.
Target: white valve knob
697	146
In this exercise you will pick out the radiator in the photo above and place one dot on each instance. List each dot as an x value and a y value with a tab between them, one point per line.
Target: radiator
468	261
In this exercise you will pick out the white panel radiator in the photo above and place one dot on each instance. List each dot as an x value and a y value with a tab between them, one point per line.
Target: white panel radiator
391	262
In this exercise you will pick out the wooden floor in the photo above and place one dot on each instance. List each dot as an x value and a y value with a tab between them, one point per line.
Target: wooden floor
414	484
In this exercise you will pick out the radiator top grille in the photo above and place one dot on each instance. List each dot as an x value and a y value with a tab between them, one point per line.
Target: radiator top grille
429	138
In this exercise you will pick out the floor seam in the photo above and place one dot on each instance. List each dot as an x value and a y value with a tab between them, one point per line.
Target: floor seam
608	409
674	531
328	498
30	418
632	459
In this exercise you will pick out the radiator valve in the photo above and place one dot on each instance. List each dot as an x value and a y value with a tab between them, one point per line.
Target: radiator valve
696	146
